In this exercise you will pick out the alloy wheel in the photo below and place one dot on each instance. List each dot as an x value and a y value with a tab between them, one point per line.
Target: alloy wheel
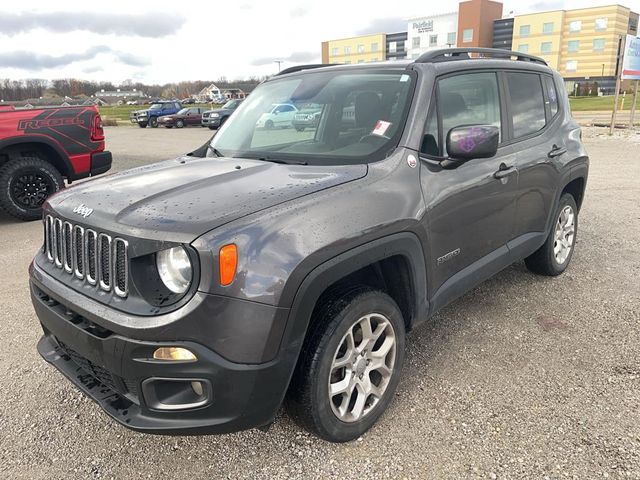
31	189
362	367
564	234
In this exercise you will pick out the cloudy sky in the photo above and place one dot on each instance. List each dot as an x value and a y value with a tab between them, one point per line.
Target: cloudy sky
166	41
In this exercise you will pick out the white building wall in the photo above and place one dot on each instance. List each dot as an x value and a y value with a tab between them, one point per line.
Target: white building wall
425	27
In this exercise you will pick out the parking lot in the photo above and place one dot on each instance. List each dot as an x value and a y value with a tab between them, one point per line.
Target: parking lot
524	377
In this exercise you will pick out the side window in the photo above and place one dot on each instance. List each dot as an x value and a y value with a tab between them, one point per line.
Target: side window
430	140
552	95
527	103
469	99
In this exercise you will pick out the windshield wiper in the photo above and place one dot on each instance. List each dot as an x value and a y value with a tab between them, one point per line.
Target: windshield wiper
216	151
275	160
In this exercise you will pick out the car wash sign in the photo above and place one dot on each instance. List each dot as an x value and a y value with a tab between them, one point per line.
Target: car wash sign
631	60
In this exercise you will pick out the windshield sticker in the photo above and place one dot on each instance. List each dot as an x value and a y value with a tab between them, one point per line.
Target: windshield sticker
381	128
404	78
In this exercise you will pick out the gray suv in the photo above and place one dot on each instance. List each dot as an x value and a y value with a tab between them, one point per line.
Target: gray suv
198	295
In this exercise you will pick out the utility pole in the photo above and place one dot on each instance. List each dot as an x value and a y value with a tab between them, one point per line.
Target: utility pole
278	62
621	46
633	104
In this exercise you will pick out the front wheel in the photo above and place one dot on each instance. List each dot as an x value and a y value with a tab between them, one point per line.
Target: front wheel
180	124
142	124
269	125
153	122
554	256
25	183
349	367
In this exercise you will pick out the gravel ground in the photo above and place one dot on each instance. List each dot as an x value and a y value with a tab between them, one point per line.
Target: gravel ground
524	377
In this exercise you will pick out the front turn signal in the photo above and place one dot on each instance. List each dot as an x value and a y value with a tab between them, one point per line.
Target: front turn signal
174	353
228	264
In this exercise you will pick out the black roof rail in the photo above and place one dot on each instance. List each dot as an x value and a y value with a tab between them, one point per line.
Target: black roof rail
449	54
299	68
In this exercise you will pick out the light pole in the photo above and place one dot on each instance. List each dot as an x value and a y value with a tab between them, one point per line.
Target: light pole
278	62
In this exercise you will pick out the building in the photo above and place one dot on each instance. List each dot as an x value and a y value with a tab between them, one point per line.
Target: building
207	93
475	22
360	49
540	34
396	46
428	33
503	33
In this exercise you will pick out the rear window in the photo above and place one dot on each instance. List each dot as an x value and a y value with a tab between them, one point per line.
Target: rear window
527	103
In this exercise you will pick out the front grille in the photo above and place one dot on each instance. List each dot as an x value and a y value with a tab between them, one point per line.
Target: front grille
93	257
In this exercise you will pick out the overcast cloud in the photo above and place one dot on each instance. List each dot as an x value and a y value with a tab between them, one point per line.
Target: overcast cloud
169	41
151	26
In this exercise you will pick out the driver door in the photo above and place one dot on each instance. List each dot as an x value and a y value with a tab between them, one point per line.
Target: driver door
471	205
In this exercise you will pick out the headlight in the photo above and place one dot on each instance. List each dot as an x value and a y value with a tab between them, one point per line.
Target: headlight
174	268
215	115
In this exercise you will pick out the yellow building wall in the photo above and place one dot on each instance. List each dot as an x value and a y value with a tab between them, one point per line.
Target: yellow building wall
337	49
537	37
593	63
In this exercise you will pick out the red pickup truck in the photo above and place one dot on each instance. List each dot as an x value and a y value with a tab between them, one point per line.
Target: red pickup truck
41	148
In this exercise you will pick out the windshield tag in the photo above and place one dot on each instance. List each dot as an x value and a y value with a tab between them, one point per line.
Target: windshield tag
381	128
404	78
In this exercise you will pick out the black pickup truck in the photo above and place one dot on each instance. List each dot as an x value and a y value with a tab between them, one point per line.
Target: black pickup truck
278	265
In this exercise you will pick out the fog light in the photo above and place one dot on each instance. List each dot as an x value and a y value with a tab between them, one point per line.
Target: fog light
174	353
198	389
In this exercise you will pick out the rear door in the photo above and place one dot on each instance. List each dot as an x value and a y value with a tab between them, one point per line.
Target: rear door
533	125
470	208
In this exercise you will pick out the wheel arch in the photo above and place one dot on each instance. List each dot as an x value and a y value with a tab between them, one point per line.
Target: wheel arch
47	149
394	263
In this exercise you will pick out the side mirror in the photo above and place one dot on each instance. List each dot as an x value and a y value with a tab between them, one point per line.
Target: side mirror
472	141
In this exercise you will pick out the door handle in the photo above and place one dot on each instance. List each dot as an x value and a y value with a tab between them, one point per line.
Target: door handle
503	171
556	151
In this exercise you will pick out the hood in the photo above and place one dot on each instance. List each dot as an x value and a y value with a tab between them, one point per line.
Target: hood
188	196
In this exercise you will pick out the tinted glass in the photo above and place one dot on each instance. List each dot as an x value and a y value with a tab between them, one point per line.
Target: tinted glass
527	103
552	95
470	99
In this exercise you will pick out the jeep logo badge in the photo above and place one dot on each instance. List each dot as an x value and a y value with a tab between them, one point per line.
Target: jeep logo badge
83	210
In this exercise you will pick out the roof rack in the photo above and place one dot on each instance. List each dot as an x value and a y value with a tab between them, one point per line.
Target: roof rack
450	54
299	68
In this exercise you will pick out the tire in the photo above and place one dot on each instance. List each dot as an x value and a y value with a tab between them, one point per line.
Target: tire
179	124
347	415
212	128
168	126
553	257
25	183
222	121
142	125
153	122
299	129
268	125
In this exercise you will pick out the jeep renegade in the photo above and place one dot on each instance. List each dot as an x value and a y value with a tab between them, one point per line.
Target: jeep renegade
272	266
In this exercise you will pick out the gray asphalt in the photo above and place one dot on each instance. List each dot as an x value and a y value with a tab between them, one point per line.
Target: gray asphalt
524	377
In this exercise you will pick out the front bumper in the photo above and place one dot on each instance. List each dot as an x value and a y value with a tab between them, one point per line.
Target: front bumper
139	119
119	372
210	121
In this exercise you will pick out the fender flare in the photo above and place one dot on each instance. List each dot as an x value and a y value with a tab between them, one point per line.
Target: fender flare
577	170
405	244
43	140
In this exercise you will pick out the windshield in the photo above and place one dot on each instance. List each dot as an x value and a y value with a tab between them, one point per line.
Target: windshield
231	104
320	118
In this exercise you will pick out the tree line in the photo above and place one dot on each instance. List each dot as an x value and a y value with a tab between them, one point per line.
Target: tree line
16	90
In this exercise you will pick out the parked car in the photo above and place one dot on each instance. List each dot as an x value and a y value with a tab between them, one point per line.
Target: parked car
150	115
307	117
132	102
215	118
185	117
188	101
278	115
266	266
40	148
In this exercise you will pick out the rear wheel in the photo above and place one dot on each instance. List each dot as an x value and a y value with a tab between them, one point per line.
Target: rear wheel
25	183
349	367
554	256
153	122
